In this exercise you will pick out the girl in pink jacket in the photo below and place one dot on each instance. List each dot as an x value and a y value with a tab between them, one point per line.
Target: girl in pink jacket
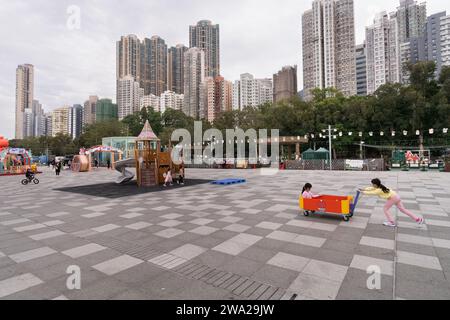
306	192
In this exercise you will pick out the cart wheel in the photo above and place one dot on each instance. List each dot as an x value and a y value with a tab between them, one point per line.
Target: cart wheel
306	213
346	218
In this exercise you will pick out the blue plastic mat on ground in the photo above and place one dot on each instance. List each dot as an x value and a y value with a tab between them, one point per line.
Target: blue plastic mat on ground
229	181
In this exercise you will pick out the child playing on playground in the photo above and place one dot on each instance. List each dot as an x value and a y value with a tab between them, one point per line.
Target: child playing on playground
168	178
306	192
378	189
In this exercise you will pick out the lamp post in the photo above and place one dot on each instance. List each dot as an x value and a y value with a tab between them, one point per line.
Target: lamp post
330	145
361	150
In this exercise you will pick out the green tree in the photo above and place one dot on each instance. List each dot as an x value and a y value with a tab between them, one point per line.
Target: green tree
94	133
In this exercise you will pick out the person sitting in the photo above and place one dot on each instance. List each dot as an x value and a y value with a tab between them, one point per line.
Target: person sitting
306	192
29	174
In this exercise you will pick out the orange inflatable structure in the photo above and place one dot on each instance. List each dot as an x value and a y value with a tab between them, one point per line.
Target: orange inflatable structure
3	143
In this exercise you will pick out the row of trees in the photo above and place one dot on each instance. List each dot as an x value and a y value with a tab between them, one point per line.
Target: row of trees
422	105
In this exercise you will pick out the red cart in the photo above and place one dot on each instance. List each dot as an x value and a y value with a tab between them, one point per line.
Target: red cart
334	205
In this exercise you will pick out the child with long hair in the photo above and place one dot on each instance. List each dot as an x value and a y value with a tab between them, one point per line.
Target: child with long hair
306	192
378	189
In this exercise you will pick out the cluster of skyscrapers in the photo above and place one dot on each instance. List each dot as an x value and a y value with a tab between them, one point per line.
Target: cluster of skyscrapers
32	121
331	58
150	74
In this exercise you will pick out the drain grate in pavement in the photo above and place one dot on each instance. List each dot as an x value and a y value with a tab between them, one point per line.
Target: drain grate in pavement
240	286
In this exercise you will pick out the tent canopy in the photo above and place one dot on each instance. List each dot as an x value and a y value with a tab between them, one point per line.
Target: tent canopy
308	154
320	154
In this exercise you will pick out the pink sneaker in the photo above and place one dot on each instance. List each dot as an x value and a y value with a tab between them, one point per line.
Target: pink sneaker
421	221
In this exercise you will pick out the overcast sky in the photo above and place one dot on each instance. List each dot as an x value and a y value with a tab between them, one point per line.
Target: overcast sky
257	36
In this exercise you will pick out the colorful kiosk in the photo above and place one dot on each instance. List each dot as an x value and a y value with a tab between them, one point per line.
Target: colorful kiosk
3	145
14	161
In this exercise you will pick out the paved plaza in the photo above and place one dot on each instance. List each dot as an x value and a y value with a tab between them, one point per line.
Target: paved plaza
203	241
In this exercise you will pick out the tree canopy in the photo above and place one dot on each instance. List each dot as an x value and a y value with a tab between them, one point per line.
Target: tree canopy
421	105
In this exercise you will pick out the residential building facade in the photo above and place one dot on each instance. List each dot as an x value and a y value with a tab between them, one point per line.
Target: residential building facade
285	83
361	70
329	47
24	96
60	121
75	121
216	97
175	69
153	66
411	18
128	57
171	100
129	94
382	52
445	40
194	75
251	92
106	110
150	101
206	36
89	110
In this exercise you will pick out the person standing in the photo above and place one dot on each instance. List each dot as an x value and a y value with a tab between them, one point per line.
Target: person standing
108	163
181	177
58	168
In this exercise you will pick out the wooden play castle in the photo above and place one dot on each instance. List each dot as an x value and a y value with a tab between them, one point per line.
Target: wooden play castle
151	162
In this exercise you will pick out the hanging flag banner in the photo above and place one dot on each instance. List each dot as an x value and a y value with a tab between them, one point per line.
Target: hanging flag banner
393	133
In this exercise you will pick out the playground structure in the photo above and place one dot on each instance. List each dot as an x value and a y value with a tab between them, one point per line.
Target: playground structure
413	159
333	205
151	162
83	161
14	161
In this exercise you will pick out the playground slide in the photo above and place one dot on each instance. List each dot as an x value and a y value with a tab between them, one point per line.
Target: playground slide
122	166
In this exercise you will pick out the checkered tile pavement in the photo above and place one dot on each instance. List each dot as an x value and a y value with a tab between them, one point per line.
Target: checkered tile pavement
221	242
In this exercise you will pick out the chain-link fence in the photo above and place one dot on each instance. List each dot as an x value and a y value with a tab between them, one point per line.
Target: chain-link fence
337	165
